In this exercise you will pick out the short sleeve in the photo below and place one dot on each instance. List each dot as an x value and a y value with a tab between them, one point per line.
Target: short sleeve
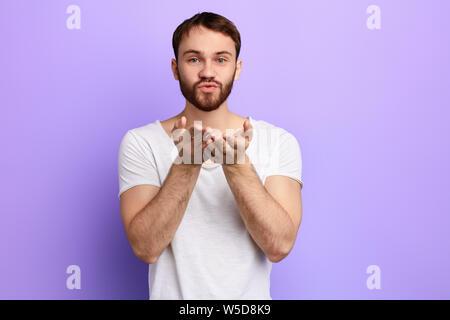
286	160
136	163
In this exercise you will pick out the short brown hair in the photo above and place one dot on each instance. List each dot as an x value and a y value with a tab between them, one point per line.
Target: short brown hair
211	21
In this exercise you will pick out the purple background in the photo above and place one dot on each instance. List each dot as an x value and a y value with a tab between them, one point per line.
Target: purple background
368	107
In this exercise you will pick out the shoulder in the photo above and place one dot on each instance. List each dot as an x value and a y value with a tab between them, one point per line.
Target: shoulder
274	134
142	136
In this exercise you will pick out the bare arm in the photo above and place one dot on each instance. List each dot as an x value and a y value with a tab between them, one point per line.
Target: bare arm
152	229
151	215
272	222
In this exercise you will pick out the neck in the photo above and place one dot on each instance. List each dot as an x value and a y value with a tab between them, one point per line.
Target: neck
221	118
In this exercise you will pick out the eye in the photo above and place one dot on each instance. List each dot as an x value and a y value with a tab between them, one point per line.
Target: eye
192	59
223	60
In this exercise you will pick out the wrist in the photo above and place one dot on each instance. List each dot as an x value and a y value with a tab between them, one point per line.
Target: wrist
241	163
187	166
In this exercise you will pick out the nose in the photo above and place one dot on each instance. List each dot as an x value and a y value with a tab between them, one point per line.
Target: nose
207	71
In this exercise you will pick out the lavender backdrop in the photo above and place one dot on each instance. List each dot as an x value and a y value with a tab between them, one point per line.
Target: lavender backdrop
368	107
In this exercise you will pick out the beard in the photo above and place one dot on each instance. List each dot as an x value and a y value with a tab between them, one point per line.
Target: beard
206	101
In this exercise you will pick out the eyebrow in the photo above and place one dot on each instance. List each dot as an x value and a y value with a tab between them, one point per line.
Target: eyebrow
201	52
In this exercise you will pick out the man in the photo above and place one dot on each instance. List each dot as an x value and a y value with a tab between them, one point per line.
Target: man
209	229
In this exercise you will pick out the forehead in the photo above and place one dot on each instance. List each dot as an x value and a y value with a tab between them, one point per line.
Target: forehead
206	40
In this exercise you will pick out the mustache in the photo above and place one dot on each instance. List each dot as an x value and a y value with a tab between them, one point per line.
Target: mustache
206	82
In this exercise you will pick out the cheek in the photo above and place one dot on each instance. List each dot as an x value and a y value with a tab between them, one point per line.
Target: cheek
231	74
187	81
188	75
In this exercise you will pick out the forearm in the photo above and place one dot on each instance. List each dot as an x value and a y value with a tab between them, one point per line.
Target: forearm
154	227
266	220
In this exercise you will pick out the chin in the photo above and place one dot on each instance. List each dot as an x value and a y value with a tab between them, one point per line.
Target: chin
207	108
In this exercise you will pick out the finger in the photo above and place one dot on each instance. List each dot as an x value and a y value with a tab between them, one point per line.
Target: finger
231	145
219	142
197	130
249	133
228	143
247	141
179	136
208	130
214	134
246	123
175	125
206	140
206	144
179	123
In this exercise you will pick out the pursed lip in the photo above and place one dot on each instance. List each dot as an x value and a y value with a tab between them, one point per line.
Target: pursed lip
208	85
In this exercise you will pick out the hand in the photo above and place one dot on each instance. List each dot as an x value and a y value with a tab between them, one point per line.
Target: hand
233	144
185	142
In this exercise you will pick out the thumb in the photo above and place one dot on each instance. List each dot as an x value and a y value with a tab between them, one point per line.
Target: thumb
247	125
180	123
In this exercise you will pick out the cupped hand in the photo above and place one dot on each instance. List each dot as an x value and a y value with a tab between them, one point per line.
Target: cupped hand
184	140
233	144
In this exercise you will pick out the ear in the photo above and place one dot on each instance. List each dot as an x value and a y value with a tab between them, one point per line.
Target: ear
238	69
174	69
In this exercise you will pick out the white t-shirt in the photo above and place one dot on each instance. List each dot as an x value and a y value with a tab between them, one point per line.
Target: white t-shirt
212	255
